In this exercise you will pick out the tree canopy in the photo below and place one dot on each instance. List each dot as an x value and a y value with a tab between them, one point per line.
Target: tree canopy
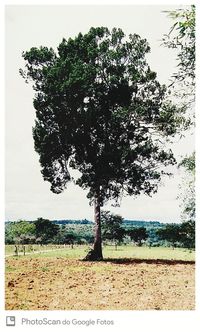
170	233
45	230
178	234
101	111
97	103
138	235
19	231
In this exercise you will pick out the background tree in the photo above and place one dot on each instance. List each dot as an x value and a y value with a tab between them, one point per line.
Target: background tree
188	205
187	234
71	238
171	234
45	230
182	38
182	235
138	235
101	111
112	228
19	232
188	188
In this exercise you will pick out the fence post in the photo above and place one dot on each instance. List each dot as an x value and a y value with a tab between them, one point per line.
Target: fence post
24	250
16	250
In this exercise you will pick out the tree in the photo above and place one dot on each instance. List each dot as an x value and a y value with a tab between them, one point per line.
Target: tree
138	235
178	234
187	234
188	188
112	228
101	111
188	201
170	233
18	231
45	230
182	38
71	238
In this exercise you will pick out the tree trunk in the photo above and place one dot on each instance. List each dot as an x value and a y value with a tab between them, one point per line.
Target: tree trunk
97	218
96	253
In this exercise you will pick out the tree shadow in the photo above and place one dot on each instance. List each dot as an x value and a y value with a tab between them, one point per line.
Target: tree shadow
147	261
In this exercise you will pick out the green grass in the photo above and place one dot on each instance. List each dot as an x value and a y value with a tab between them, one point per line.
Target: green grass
128	251
150	253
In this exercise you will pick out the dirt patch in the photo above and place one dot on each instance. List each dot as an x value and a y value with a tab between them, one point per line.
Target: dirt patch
67	284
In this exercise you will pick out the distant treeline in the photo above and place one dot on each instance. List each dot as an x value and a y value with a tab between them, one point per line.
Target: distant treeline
71	221
115	230
126	222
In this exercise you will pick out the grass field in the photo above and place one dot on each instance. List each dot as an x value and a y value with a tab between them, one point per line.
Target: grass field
131	278
127	251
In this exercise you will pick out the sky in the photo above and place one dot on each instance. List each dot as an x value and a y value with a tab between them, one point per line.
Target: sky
27	195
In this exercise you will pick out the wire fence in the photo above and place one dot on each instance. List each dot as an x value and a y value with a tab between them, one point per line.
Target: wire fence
28	249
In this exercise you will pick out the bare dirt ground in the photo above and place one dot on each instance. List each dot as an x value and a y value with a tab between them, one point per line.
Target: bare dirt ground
69	284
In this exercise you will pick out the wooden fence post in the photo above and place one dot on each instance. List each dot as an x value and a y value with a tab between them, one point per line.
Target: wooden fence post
16	250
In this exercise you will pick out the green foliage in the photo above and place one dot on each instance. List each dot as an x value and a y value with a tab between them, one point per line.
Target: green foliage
66	236
171	234
187	232
182	38
188	202
189	163
188	189
138	235
19	232
179	234
83	232
112	228
97	105
73	222
45	230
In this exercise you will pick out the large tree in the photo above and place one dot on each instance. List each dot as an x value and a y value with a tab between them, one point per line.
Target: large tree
100	110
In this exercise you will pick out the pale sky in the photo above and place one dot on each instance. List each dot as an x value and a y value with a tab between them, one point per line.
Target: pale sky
27	195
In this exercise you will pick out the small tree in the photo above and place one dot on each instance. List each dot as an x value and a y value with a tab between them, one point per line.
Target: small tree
112	227
100	110
70	238
138	235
